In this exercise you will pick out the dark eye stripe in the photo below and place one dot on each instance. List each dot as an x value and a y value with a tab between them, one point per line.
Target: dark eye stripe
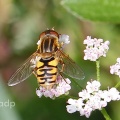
51	44
41	47
46	44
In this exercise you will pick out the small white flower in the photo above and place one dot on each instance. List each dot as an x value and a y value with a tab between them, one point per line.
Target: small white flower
84	94
114	93
72	101
88	41
79	104
64	38
103	103
71	108
39	94
106	96
86	111
67	80
48	93
95	48
115	69
93	86
118	60
94	102
61	87
76	105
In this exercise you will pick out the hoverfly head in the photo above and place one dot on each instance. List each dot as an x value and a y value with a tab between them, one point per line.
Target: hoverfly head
48	41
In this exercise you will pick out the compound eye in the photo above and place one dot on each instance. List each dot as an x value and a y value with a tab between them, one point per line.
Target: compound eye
42	34
49	32
52	32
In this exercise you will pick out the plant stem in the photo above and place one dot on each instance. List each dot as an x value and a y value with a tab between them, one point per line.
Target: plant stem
103	111
105	114
98	69
117	85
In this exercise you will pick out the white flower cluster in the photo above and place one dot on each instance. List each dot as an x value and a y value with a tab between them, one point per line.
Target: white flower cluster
115	69
61	87
92	98
95	48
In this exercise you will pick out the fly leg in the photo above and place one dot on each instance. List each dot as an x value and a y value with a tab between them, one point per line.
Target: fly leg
62	77
34	72
62	69
62	64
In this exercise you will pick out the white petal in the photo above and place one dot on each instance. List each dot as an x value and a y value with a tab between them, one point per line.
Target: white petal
71	108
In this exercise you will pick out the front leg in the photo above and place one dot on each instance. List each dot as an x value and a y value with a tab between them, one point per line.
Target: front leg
34	72
62	64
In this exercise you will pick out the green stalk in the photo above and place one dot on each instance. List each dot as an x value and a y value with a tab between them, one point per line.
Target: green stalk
117	85
105	114
98	69
103	111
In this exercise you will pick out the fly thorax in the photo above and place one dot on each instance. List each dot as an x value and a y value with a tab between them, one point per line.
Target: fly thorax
46	55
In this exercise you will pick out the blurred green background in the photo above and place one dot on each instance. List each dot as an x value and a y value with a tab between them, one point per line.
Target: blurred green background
21	22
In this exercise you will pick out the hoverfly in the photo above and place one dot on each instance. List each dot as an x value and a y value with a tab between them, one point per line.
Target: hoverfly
47	62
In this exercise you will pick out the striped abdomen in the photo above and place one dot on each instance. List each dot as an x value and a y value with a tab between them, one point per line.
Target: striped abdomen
47	72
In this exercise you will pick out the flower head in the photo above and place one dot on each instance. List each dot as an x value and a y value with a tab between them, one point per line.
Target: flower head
61	87
64	38
95	48
115	69
92	98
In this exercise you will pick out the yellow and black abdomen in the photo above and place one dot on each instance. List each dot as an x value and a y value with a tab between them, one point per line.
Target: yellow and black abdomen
47	72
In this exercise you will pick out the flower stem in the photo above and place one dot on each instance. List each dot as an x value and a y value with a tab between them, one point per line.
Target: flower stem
105	114
103	111
98	69
117	85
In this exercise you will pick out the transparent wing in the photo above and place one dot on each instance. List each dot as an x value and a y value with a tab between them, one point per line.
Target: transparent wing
69	67
22	73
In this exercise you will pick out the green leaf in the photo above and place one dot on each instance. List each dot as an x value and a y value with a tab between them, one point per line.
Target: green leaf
94	10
